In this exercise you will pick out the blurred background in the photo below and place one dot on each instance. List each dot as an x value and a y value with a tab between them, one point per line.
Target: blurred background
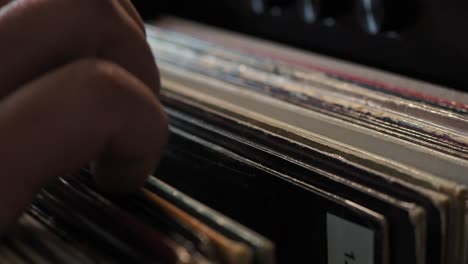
423	39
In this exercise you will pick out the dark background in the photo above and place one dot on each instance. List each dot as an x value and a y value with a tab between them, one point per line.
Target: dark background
424	39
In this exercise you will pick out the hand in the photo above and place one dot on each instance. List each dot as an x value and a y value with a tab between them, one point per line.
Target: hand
78	83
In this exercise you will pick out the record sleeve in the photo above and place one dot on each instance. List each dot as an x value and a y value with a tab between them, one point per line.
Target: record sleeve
200	121
394	154
250	184
259	87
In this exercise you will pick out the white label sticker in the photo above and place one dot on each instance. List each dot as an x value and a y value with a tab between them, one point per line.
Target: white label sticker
348	243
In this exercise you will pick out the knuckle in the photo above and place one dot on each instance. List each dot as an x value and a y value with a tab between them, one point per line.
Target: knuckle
118	95
112	85
105	80
96	71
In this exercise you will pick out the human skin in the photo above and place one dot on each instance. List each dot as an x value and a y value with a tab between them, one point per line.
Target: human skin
78	83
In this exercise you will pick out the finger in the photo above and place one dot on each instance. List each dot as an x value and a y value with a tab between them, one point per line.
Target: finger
131	10
125	4
42	35
88	110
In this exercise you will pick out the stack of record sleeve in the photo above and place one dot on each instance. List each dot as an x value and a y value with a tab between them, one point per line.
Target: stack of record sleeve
70	222
275	156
